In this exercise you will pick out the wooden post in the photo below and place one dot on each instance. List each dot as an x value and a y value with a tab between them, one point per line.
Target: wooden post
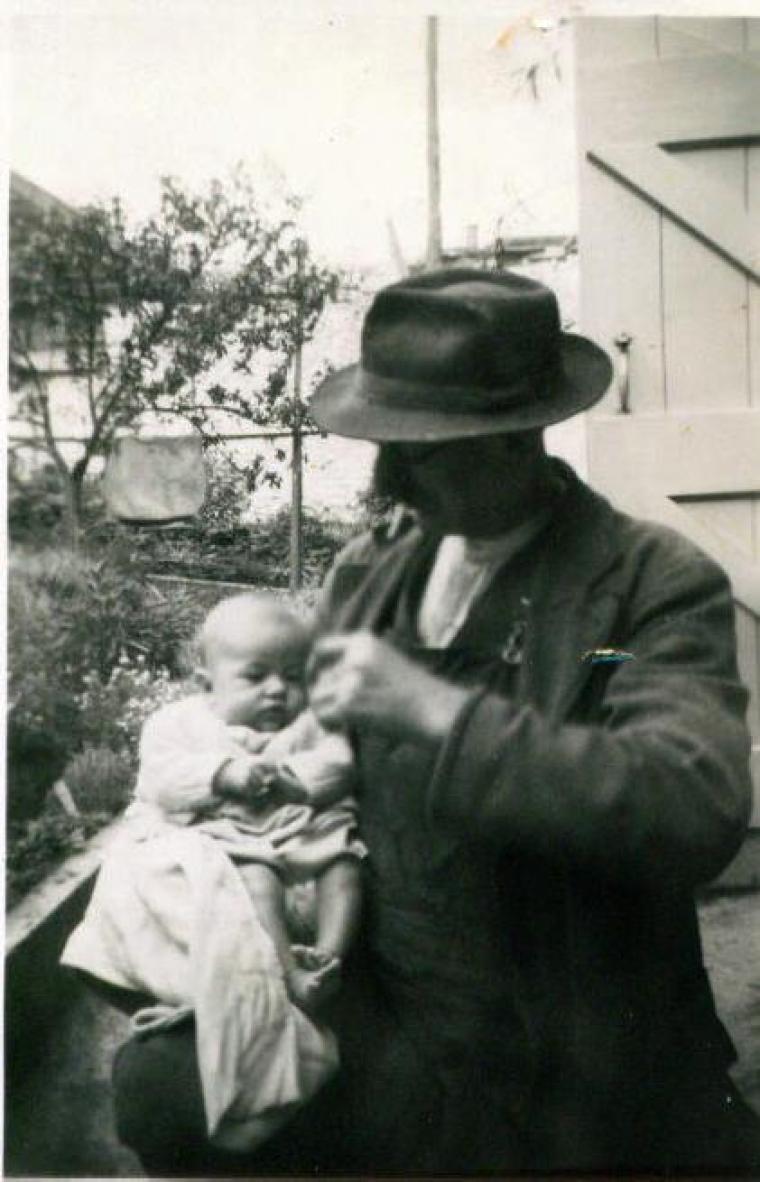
434	244
397	254
296	463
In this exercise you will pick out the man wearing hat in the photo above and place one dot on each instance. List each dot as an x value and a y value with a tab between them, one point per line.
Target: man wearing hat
549	726
549	729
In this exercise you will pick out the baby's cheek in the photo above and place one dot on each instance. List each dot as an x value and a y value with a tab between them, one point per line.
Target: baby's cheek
240	708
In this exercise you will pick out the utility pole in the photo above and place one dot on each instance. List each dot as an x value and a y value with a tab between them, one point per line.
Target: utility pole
397	254
296	462
434	244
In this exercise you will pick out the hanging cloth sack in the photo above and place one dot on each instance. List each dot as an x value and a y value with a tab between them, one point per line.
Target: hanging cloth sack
155	479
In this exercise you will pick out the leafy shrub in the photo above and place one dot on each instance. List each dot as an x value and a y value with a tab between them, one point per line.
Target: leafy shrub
84	613
37	846
122	614
72	619
228	489
257	554
100	780
35	757
36	504
100	776
42	709
113	709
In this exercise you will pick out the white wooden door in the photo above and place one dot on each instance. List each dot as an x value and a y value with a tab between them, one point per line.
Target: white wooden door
669	139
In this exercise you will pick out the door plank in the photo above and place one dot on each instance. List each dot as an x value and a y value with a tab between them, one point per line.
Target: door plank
629	39
709	211
679	455
752	25
730	516
667	101
705	309
753	290
632	487
748	653
624	240
724	166
696	37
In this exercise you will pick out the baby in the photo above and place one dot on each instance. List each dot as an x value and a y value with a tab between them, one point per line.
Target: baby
249	765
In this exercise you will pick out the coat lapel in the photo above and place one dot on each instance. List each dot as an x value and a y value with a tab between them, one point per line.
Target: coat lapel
577	601
365	594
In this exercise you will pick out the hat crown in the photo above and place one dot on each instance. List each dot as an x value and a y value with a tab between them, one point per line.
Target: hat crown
462	328
458	353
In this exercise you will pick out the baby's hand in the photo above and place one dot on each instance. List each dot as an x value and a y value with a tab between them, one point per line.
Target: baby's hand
248	777
262	781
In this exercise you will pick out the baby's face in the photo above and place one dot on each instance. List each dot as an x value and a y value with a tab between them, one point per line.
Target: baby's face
258	683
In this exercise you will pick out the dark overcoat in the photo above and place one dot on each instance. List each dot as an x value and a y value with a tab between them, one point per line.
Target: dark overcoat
604	788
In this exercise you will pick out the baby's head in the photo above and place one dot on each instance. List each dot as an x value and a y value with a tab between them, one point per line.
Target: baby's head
253	652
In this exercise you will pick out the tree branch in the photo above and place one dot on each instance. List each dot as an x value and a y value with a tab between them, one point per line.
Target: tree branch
99	432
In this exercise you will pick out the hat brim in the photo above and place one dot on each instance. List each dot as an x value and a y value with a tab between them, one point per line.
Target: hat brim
350	402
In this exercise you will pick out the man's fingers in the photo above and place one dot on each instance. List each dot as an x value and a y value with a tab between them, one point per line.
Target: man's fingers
326	652
333	694
359	648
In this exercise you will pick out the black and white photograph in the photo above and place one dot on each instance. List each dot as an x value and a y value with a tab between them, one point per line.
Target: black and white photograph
382	540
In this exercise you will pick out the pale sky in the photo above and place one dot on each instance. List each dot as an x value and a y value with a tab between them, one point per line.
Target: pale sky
107	96
324	96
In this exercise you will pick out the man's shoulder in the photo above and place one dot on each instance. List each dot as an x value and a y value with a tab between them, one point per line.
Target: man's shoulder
363	560
645	544
662	544
367	546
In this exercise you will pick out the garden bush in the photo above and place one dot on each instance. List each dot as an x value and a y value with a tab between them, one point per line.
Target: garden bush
71	621
36	755
36	504
33	848
228	489
100	779
257	553
112	710
100	776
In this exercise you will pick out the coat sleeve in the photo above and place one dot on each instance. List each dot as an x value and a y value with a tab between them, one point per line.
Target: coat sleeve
659	783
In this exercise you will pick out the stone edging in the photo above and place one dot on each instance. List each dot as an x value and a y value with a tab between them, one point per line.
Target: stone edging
56	889
38	991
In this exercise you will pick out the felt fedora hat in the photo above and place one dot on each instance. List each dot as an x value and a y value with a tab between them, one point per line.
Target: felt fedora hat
458	353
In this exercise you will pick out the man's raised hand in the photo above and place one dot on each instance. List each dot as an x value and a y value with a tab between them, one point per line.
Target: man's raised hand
357	679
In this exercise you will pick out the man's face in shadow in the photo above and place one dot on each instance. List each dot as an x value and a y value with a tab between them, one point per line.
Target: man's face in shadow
475	486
